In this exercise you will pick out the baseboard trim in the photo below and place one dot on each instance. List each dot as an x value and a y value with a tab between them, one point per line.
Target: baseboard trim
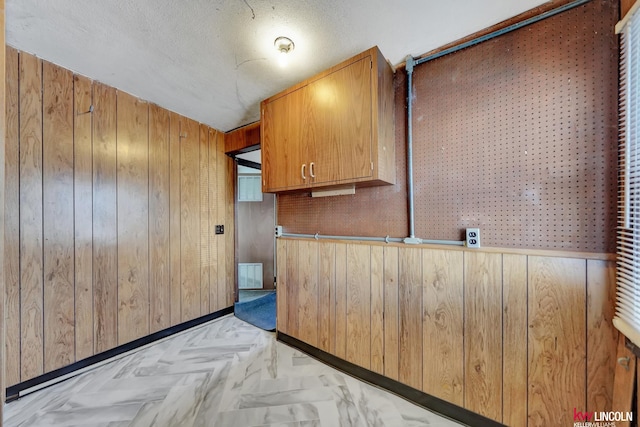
418	397
45	380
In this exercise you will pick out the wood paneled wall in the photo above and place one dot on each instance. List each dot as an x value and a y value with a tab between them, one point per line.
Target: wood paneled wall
2	216
110	215
521	338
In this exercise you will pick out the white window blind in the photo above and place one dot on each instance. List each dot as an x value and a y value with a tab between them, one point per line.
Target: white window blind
627	317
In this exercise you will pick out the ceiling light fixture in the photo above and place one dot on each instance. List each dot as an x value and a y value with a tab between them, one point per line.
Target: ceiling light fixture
284	45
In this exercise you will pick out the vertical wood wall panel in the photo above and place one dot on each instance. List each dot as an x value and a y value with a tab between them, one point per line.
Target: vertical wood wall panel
58	226
483	333
326	286
190	216
557	339
307	303
442	322
229	242
391	313
282	302
31	229
175	215
159	220
341	300
83	214
504	335
12	221
515	330
293	288
133	217
377	309
359	305
214	303
105	231
601	335
205	270
221	177
104	218
410	304
3	134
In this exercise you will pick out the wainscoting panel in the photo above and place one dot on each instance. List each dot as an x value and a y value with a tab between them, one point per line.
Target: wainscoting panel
108	228
521	338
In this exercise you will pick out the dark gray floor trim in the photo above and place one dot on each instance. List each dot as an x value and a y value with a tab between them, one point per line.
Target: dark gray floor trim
14	391
416	396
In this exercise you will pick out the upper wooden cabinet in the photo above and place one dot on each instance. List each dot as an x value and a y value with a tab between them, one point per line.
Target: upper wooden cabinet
335	128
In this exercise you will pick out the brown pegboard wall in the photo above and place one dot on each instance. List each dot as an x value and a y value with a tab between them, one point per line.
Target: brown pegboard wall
516	136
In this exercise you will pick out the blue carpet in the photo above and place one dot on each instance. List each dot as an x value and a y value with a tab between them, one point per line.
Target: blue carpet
260	312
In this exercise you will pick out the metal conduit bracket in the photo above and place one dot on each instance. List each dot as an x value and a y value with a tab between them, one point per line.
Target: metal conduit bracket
317	236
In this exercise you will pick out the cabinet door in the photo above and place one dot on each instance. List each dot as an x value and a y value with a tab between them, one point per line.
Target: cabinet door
283	150
338	131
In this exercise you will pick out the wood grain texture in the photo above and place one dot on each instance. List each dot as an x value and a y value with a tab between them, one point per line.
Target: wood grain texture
282	152
282	302
3	129
557	339
31	216
205	256
190	218
214	302
625	6
293	287
391	313
339	127
377	309
601	335
242	138
105	236
94	209
159	220
307	292
410	306
326	287
442	323
359	305
483	333
341	301
175	233
58	218
83	214
514	336
221	178
229	239
11	373
624	380
133	218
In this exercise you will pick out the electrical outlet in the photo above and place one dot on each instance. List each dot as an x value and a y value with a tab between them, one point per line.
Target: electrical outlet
278	231
219	229
473	237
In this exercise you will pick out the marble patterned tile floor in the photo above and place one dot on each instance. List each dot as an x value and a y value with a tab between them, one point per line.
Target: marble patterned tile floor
223	373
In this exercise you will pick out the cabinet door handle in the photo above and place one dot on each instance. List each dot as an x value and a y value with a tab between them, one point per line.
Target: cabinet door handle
302	169
311	172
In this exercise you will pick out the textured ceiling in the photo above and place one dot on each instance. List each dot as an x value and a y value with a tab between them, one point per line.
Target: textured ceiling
214	60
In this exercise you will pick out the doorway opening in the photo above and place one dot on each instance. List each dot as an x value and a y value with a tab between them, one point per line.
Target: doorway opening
255	239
